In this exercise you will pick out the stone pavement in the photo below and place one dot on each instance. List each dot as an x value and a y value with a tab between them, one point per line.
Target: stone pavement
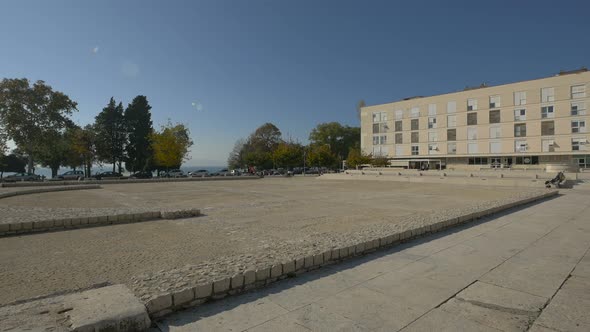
529	269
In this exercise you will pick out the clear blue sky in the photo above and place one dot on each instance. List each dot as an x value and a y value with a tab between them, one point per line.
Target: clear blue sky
292	63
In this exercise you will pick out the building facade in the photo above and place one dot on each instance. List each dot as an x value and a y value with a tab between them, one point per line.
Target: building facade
525	124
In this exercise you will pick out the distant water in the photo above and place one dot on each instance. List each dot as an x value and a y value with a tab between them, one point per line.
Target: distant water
47	172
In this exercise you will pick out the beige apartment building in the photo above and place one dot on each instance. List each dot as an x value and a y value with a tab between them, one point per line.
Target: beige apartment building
530	124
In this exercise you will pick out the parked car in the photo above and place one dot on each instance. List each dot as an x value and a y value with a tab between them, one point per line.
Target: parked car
223	172
23	177
108	176
175	173
142	175
71	175
200	173
236	172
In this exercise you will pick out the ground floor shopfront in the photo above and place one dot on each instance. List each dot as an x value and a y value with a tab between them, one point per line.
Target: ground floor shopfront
482	162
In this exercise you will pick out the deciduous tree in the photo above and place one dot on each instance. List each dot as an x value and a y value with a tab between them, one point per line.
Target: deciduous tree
288	155
322	156
357	158
171	145
30	115
338	137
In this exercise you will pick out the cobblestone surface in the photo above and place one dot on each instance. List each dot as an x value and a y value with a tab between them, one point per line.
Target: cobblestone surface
21	214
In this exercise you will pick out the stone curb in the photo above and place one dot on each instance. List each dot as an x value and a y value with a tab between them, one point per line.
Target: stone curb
47	190
22	228
122	181
164	304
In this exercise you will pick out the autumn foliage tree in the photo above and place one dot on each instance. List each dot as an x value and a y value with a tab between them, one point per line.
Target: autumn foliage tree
288	155
171	145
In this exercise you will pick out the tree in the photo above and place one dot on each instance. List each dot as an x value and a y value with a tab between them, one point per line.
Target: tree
138	123
359	106
171	145
322	156
83	143
110	134
357	158
54	153
380	161
338	137
32	114
288	155
11	163
258	149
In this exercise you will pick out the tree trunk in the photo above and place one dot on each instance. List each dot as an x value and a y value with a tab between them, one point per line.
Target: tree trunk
30	163
54	172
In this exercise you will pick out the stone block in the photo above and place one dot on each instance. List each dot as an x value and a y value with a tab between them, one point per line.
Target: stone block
75	222
204	290
262	274
14	227
343	252
359	248
276	270
237	281
221	286
27	225
113	219
395	238
308	262
159	303
156	215
183	296
335	254
299	263
249	277
318	260
288	267
84	220
375	244
327	256
4	228
147	216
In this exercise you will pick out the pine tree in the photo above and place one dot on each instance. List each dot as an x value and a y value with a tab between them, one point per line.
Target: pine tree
138	124
111	137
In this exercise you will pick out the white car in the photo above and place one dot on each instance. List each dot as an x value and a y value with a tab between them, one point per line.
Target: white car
200	173
175	173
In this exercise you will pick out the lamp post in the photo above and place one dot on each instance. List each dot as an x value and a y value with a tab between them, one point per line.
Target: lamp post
304	162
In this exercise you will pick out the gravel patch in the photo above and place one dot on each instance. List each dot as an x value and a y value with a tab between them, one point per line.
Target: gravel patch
265	253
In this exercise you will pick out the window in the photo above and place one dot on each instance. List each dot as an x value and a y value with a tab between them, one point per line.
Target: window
495	116
415	150
547	95
379	128
415	112
478	161
399	150
471	119
375	128
495	147
578	126
398	126
432	148
451	107
578	143
520	98
452	148
472	148
414	124
432	109
579	91
533	160
451	134
380	151
451	121
379	117
399	114
471	133
380	140
414	138
548	145
399	138
547	128
520	130
471	104
494	101
431	123
495	132
579	108
520	146
520	115
432	137
547	112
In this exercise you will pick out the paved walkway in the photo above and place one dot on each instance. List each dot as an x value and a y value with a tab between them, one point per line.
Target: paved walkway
529	269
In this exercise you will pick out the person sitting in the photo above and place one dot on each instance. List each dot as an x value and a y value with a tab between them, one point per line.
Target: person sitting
556	181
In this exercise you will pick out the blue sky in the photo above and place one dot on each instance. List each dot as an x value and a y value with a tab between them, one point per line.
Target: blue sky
292	63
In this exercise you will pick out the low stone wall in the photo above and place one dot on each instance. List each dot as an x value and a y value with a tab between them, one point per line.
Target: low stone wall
219	287
19	228
46	190
154	180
